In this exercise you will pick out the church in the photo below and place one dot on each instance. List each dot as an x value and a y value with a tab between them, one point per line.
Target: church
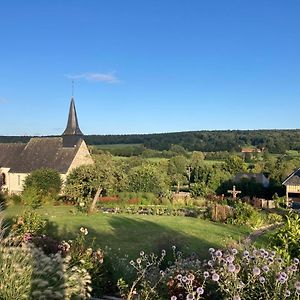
62	154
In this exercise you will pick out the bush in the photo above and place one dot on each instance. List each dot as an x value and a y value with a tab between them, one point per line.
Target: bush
29	222
42	183
245	214
90	260
286	240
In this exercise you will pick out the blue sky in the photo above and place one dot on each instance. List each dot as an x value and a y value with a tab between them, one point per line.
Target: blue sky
149	66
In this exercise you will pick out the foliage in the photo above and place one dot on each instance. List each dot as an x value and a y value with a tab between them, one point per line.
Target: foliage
27	273
286	240
147	178
44	182
31	198
90	260
30	222
177	170
246	214
83	182
156	210
235	164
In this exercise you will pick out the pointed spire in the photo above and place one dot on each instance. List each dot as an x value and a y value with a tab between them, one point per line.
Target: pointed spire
72	125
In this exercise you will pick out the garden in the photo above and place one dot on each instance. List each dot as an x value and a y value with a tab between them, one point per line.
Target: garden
117	230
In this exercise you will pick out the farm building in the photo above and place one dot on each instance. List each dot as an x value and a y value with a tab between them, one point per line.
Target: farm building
292	184
259	178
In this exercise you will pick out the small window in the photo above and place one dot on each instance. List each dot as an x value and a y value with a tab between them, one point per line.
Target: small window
19	179
3	179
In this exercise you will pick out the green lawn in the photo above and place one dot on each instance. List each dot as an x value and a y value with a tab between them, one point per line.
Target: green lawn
132	233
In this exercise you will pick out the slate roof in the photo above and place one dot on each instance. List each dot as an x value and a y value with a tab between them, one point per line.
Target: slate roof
39	153
293	179
72	125
9	153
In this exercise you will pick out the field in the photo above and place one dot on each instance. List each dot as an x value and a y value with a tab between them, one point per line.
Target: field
129	234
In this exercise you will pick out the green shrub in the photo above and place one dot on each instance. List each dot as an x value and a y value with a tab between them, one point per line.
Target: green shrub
14	199
31	198
245	214
44	182
29	222
286	240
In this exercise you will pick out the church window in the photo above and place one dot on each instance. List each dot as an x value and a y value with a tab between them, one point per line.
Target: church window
19	179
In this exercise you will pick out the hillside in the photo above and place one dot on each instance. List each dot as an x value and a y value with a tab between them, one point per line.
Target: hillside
276	141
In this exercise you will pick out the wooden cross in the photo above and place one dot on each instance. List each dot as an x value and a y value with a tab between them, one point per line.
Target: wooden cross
234	192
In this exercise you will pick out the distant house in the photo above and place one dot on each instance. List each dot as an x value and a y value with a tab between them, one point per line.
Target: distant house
292	184
252	150
62	154
259	178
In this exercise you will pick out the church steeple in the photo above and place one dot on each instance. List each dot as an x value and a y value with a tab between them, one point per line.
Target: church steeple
72	133
72	125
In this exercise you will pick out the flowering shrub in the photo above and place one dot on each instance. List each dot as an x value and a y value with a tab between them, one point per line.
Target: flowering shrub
88	259
255	274
229	274
30	222
148	276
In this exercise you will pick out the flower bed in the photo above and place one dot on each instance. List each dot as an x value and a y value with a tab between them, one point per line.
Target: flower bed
156	210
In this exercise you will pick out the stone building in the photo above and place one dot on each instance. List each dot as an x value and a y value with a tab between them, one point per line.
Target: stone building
292	184
62	154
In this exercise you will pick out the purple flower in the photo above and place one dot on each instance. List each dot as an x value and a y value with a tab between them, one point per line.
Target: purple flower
206	274
184	279
218	253
236	297
215	277
230	259
191	277
179	277
297	285
262	279
265	269
190	297
282	278
231	268
200	290
234	251
256	271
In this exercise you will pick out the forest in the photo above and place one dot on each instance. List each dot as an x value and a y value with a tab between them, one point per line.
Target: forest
275	141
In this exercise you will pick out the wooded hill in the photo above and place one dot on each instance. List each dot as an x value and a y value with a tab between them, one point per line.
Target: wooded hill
276	141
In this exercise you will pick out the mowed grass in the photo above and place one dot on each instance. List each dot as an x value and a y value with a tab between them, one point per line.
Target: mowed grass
129	234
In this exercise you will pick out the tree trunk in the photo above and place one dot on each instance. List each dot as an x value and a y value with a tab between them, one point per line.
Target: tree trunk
92	208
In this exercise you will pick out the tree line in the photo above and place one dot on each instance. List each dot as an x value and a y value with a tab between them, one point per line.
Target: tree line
276	141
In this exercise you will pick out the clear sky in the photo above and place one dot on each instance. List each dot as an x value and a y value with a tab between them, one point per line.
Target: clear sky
145	66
